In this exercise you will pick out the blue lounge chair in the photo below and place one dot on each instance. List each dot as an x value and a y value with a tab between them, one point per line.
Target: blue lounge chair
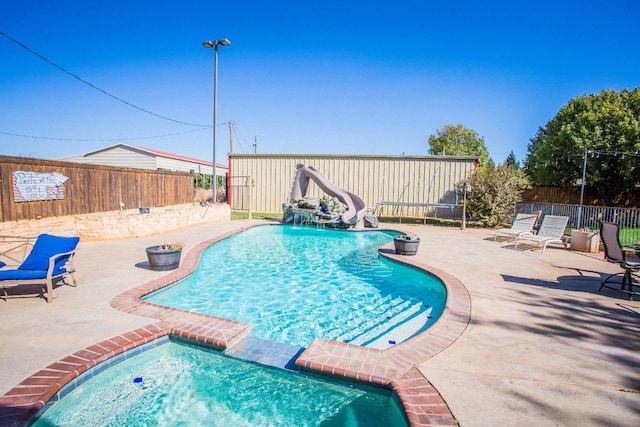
50	260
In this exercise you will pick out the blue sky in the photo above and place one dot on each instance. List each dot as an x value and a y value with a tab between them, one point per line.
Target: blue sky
327	76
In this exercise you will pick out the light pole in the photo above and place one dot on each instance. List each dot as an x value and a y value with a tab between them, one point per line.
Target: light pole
584	178
209	44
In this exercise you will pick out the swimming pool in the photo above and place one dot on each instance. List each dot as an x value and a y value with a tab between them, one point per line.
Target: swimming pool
393	368
175	383
295	284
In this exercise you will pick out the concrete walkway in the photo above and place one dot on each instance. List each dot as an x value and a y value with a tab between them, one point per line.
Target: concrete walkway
543	346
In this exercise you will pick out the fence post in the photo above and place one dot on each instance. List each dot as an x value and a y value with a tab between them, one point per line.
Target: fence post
249	183
466	187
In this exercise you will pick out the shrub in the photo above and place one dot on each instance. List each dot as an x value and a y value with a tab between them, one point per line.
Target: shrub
494	192
203	195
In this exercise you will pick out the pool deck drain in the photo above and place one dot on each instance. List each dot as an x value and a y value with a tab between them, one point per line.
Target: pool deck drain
265	352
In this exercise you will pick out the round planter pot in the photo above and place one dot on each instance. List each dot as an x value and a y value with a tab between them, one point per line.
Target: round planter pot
406	245
163	259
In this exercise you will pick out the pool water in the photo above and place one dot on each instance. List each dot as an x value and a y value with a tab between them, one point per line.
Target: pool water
178	384
296	283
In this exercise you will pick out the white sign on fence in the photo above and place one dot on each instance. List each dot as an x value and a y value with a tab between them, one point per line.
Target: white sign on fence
31	186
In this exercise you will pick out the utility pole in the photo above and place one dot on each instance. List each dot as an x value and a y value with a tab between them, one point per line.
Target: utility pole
255	143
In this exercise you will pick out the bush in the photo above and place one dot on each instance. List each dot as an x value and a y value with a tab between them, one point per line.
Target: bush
494	192
203	194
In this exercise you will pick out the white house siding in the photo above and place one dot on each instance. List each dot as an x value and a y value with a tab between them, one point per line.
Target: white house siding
116	156
185	166
131	157
407	179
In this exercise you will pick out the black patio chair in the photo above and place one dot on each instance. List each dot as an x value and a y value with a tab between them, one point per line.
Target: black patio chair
615	252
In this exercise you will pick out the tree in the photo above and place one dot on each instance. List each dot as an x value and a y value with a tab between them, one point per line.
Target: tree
457	140
512	161
606	128
494	192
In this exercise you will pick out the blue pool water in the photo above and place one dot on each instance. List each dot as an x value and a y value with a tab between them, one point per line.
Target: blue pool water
294	284
175	384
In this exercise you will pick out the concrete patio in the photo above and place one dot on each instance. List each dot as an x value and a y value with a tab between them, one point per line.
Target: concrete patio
543	346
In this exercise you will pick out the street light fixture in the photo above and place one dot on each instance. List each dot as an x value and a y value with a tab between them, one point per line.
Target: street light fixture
214	44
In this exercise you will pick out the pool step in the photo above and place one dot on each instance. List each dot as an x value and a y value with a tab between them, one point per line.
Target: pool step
265	352
388	323
402	331
389	306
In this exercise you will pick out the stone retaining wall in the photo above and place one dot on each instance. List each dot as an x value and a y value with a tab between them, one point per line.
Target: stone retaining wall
120	224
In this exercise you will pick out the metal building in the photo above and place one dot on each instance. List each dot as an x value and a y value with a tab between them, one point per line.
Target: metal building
416	185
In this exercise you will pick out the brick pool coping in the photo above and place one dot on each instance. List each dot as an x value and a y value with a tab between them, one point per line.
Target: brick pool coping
393	368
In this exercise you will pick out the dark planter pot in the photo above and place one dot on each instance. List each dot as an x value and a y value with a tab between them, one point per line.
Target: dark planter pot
406	245
163	259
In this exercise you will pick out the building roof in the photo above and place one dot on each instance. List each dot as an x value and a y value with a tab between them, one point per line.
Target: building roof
159	153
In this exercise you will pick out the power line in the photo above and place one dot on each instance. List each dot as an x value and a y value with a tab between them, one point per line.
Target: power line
100	139
239	138
94	86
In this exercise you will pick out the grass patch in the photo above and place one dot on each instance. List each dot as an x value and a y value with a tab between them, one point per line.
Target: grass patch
239	215
442	222
256	215
628	236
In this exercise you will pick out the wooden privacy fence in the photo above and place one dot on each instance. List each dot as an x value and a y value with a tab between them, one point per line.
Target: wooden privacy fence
88	189
571	196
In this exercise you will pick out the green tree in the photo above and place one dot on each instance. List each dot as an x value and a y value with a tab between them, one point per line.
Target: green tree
457	140
512	161
605	127
494	192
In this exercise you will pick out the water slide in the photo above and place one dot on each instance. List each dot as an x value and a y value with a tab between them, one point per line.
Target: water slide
355	206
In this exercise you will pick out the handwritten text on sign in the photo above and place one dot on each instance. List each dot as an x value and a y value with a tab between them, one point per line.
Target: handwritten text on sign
30	186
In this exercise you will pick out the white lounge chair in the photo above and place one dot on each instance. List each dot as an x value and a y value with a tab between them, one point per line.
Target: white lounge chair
523	223
551	231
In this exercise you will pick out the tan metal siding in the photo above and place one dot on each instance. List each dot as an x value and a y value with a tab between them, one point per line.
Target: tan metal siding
409	179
